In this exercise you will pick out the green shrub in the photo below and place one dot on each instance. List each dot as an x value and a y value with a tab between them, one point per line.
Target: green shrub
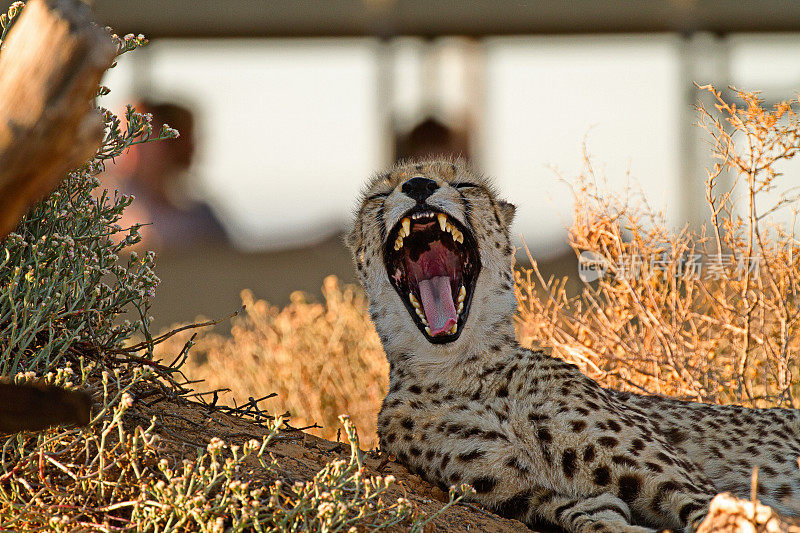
62	285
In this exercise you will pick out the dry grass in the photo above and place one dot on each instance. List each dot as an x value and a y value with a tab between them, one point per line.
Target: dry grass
322	360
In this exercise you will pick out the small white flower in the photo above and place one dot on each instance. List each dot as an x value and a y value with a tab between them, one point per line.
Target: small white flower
216	444
127	400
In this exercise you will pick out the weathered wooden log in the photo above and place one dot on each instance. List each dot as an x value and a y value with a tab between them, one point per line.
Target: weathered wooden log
50	67
27	407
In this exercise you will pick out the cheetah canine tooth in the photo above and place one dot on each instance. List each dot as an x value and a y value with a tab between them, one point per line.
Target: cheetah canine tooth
413	300
406	231
442	220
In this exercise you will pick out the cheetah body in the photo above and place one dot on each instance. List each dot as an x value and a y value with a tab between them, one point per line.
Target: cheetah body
538	440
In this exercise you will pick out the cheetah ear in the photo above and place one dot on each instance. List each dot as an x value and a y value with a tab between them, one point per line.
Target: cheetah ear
507	211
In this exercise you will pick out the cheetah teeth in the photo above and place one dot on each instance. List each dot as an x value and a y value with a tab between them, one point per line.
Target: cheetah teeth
444	224
413	300
462	294
451	331
417	308
405	231
442	221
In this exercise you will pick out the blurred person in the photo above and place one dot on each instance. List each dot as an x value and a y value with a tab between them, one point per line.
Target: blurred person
158	175
431	138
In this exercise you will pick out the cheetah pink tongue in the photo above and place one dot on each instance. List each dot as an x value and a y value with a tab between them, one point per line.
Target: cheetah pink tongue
437	303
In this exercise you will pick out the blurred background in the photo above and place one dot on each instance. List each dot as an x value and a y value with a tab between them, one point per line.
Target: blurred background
286	107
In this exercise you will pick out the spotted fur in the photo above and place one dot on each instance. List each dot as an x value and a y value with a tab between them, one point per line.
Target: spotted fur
538	440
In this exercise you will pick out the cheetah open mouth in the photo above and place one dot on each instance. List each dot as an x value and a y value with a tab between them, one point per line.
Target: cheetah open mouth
433	263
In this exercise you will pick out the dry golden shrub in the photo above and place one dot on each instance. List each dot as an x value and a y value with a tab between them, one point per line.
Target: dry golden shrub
322	360
710	315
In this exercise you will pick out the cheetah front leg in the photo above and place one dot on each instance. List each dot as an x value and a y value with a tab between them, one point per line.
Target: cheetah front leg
602	513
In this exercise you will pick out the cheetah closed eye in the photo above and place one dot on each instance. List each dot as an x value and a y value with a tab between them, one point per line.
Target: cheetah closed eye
538	440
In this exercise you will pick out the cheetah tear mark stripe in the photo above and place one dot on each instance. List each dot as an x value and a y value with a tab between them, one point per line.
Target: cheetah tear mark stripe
467	210
382	222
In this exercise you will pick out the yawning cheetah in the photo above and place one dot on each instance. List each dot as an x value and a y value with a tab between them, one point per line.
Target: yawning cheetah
538	440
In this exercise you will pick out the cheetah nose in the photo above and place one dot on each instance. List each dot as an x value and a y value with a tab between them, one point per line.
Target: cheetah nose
419	188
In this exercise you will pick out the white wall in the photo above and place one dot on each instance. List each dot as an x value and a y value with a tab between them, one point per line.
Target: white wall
546	95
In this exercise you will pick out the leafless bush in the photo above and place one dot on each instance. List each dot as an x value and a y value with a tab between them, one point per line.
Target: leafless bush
710	314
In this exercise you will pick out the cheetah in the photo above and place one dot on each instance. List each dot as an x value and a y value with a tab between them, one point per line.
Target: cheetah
538	440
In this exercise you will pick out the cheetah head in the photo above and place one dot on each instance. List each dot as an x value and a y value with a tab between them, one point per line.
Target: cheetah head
430	243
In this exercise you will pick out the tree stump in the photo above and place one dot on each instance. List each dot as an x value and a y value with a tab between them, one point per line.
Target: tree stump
34	407
50	67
